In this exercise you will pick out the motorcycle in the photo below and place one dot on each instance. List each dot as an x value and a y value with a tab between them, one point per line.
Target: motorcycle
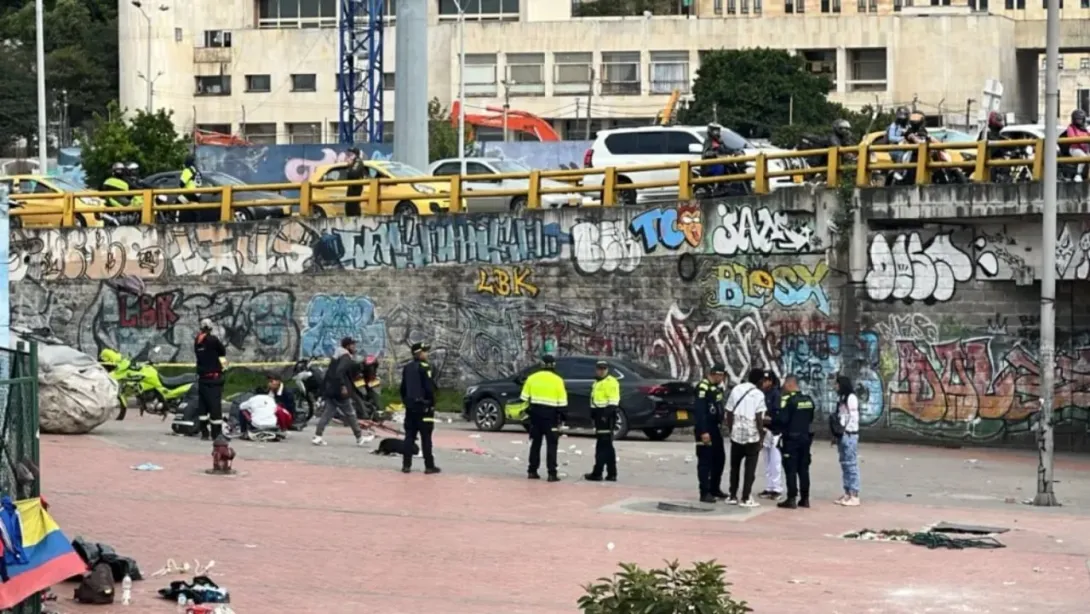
1013	174
942	176
157	394
721	189
367	399
308	381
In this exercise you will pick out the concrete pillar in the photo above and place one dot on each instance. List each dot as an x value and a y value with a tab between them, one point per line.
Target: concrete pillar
1024	93
842	70
411	87
5	246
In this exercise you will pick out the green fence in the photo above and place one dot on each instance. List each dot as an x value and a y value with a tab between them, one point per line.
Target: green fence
19	430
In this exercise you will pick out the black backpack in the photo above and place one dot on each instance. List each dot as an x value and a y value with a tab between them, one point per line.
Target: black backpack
97	587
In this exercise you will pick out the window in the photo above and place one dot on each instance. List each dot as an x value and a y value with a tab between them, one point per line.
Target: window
1044	4
480	74
1084	63
940	2
731	7
217	38
303	133
297	13
1010	5
800	6
214	128
338	81
214	85
669	72
640	142
572	73
979	5
258	83
576	368
447	169
745	7
788	7
476	168
874	6
866	70
1082	99
1060	60
718	7
526	74
304	83
756	7
505	10
896	6
1084	4
620	73
388	83
259	134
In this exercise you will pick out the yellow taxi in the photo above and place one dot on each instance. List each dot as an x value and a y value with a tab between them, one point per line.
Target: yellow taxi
54	189
400	199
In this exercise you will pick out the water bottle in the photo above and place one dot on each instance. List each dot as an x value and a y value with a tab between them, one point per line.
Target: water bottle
181	603
126	590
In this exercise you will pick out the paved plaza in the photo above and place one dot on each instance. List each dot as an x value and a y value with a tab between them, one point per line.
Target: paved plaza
338	530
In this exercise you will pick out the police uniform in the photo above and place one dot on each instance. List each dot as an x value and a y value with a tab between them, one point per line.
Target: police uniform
794	421
210	354
711	456
605	397
546	398
418	394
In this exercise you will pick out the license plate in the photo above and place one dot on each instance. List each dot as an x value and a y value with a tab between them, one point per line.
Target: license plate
682	415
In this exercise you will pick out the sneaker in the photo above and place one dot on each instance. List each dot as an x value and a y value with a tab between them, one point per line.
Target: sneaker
841	500
432	470
732	500
721	495
318	441
787	504
749	503
366	438
708	499
851	502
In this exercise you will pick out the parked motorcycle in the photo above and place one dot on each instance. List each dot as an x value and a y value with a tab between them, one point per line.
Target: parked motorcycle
308	382
1013	174
157	394
367	399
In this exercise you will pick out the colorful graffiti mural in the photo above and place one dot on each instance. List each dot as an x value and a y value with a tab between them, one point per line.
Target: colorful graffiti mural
759	230
787	286
671	227
85	253
331	318
280	163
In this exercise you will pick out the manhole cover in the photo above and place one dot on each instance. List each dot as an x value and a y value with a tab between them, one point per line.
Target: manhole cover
684	508
680	507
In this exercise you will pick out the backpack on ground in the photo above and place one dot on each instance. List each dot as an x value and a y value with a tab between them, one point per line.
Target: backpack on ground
97	587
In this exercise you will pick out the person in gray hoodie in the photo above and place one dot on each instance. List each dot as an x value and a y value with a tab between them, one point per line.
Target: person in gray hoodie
338	392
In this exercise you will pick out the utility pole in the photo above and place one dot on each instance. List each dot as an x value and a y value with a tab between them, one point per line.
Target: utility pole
43	142
791	111
715	112
461	86
146	76
1045	435
590	94
506	106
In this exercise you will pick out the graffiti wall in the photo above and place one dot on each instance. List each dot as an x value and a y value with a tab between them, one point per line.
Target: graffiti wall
280	163
939	332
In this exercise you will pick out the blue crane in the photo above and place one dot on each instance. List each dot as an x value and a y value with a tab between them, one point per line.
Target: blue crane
361	33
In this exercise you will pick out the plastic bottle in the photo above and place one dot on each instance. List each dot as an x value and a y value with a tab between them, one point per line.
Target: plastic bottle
181	603
126	590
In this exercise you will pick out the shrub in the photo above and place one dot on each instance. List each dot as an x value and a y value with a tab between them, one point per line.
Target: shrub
673	590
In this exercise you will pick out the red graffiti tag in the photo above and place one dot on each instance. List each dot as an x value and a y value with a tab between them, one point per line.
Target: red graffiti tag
146	311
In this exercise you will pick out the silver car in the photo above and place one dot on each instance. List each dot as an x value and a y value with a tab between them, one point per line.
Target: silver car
478	170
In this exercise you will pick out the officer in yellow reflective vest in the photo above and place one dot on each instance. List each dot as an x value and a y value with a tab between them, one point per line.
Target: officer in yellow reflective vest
117	182
546	398
605	397
795	422
190	178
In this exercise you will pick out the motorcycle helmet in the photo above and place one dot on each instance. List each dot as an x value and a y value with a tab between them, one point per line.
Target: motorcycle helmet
190	160
714	131
901	116
1078	118
996	121
916	120
118	169
842	128
133	168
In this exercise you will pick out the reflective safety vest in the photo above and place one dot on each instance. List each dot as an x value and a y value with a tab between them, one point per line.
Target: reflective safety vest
190	178
545	388
118	184
606	392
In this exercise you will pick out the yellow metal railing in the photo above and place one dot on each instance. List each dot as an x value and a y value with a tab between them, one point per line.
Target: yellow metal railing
605	188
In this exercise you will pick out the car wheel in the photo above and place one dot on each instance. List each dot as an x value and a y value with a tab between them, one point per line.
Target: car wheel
518	205
620	427
488	414
405	209
625	197
659	434
243	215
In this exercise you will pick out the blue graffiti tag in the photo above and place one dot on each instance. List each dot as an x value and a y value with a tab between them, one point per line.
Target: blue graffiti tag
332	318
671	227
403	243
816	359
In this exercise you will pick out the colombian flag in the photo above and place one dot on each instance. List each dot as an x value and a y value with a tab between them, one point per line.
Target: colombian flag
49	557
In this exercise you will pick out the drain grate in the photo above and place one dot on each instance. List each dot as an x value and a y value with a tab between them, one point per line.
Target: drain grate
672	507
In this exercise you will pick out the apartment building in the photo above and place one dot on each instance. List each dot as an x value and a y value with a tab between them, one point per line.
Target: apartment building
267	69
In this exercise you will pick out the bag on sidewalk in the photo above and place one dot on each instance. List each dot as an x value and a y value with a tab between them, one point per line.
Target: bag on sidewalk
96	587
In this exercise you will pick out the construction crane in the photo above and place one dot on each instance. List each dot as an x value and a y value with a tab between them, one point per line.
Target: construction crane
360	74
665	117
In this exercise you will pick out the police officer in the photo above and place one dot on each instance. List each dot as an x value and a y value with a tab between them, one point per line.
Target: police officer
605	396
356	171
117	182
211	358
418	395
190	177
711	456
794	422
547	399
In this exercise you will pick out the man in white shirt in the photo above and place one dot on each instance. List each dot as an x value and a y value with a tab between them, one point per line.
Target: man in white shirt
745	422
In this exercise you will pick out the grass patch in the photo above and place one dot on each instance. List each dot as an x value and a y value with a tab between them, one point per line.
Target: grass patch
243	379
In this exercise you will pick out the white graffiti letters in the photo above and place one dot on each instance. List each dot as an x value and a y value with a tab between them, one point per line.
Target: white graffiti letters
604	246
743	230
909	271
693	348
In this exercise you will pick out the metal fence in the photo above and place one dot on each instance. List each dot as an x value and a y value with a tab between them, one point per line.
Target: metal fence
19	431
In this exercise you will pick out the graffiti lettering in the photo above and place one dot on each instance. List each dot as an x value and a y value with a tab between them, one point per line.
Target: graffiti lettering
744	230
411	242
506	282
670	227
85	253
788	286
604	247
266	248
911	271
332	318
146	311
692	349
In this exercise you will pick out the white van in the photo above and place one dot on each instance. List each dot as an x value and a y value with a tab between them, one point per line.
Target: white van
665	144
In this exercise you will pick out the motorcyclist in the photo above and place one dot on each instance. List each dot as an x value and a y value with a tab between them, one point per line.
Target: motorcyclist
895	134
842	134
994	133
914	132
715	147
1077	128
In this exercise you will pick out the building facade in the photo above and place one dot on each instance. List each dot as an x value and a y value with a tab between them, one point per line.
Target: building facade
267	69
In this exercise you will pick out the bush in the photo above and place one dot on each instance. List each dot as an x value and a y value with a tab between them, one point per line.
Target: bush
672	590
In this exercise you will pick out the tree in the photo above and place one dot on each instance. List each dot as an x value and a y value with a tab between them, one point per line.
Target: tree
662	591
149	139
18	97
443	133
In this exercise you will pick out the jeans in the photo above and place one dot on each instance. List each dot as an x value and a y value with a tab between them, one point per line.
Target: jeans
848	448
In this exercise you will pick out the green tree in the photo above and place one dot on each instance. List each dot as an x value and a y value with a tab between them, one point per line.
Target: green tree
443	133
18	98
671	590
149	139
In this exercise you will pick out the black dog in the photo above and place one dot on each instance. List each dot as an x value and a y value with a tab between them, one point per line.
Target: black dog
392	446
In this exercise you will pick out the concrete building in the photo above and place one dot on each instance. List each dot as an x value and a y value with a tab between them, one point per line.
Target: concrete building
267	69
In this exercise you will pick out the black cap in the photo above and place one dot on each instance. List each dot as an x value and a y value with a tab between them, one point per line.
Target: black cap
355	150
548	359
601	364
420	347
347	341
718	369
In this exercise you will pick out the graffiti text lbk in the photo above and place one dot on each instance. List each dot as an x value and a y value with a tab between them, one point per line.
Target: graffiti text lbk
147	311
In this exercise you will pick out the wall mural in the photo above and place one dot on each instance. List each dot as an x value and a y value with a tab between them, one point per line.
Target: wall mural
677	288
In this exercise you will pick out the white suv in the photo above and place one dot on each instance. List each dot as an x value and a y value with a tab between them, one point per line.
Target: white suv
664	144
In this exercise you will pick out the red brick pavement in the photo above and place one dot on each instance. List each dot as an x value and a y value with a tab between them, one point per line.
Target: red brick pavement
294	537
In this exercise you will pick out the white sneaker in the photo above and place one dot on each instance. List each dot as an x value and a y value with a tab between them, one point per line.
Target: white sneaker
365	438
749	503
318	441
851	502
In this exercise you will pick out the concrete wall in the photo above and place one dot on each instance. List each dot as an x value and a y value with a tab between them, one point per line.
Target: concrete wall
937	327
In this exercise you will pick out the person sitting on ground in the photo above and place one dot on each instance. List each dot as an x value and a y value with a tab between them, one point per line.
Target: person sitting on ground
284	398
263	413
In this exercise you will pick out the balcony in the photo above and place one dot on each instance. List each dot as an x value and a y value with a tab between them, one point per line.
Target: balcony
212	55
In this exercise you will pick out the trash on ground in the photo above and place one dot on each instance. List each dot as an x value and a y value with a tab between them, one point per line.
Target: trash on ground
610	546
147	467
931	539
202	590
518	442
953	527
475	436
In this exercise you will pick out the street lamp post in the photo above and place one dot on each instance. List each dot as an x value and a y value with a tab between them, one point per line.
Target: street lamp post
461	85
146	76
43	144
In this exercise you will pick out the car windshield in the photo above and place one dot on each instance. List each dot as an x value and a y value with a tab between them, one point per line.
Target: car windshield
397	169
731	139
65	185
642	371
221	179
510	166
953	136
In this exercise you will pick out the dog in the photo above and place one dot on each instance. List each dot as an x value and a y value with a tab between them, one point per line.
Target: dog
391	446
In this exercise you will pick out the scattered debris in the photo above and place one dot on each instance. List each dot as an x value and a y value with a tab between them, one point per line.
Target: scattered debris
477	451
518	442
894	535
279	482
579	452
953	527
147	467
1036	570
930	538
1010	500
610	546
475	436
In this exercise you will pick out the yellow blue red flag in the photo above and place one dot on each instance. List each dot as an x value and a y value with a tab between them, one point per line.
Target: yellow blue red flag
46	556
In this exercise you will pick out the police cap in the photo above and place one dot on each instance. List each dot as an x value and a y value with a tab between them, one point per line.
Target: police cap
718	369
548	360
601	364
420	347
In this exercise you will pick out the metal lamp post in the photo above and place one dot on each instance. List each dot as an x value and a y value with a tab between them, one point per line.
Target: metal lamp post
43	144
461	85
146	76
